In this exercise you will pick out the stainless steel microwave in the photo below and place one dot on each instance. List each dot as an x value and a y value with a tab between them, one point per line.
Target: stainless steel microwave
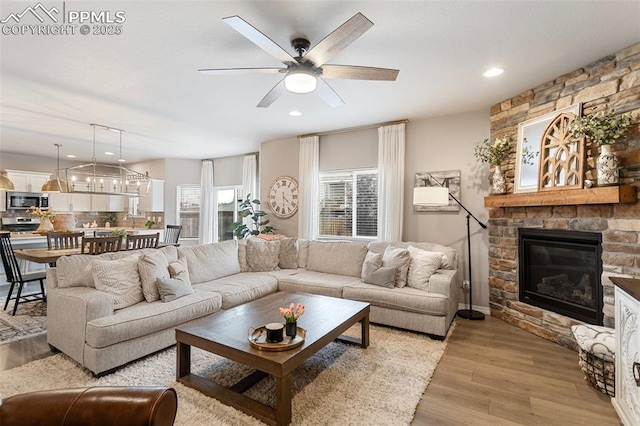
25	200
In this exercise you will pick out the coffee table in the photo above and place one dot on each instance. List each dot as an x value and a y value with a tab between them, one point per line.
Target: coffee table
225	334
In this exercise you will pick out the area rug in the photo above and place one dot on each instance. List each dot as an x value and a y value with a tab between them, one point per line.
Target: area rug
345	384
30	320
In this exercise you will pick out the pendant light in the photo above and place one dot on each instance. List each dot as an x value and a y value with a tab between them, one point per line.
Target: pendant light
56	185
6	184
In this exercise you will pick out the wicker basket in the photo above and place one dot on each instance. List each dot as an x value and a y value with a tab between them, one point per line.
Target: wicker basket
601	374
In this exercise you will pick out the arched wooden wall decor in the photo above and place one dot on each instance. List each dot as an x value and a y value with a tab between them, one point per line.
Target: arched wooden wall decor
561	158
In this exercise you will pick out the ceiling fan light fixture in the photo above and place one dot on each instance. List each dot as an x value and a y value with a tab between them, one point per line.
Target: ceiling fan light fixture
300	81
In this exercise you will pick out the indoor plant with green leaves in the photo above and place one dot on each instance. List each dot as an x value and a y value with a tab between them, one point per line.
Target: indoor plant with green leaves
603	129
494	154
249	208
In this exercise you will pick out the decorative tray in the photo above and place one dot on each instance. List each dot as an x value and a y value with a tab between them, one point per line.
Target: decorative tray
258	339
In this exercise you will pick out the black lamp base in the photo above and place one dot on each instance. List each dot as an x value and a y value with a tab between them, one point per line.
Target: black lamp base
470	314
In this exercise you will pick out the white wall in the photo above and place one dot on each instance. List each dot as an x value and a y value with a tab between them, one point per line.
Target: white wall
443	143
446	143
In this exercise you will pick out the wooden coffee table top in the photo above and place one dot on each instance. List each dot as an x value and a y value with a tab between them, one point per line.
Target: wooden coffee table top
225	333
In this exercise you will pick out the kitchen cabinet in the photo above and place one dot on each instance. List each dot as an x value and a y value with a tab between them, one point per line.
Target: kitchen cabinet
80	202
3	201
154	201
27	181
107	203
60	201
627	399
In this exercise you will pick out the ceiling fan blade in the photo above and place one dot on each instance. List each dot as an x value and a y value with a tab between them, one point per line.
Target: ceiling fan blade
339	39
354	72
235	71
327	94
259	39
277	91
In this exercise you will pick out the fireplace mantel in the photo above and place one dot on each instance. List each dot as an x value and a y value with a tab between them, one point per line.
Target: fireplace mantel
566	197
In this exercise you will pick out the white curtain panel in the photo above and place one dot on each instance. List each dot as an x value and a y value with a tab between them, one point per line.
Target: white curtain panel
207	219
309	164
250	181
391	142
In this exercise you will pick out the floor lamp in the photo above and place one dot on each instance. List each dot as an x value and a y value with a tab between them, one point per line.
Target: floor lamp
439	196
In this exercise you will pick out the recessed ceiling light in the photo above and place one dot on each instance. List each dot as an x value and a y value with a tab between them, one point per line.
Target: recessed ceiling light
295	113
493	72
71	156
108	153
121	160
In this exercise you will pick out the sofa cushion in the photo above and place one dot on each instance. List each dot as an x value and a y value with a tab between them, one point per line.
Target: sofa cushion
241	288
119	278
402	299
303	252
288	253
208	262
145	318
337	257
316	283
151	267
175	287
398	258
423	264
263	256
242	255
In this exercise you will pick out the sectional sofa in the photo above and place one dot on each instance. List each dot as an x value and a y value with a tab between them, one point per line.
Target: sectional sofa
104	311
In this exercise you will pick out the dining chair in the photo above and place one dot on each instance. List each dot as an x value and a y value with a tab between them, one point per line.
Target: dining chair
64	240
135	242
99	245
172	234
16	277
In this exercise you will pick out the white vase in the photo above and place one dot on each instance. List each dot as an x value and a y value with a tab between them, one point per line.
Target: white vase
607	167
45	226
498	182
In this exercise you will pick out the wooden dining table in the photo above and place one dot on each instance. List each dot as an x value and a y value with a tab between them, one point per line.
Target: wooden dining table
44	255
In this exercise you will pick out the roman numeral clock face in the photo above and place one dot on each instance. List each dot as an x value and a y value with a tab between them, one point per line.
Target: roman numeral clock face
283	196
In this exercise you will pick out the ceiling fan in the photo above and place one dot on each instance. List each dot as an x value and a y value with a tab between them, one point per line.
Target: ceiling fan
306	72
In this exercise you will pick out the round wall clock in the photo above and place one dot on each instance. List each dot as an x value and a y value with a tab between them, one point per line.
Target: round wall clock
283	196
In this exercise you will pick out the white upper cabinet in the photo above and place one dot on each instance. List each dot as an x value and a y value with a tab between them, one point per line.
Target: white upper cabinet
154	201
28	181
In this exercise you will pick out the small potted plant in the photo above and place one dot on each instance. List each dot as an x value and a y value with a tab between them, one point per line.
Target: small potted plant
603	129
291	315
494	154
45	217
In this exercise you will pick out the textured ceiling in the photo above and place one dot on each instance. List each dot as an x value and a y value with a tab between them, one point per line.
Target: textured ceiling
145	80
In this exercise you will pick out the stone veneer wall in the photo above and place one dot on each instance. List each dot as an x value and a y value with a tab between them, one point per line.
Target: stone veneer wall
611	82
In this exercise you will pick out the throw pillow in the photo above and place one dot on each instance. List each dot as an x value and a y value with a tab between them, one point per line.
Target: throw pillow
372	258
423	265
303	253
180	267
120	279
174	288
383	276
263	256
399	258
152	266
288	254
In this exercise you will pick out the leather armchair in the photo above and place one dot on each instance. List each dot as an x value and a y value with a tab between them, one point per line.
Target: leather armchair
103	406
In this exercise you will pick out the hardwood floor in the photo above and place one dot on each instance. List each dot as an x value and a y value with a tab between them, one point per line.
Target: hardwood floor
494	373
491	373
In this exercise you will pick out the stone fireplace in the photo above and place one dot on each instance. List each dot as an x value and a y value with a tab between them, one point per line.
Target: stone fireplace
612	82
618	225
560	271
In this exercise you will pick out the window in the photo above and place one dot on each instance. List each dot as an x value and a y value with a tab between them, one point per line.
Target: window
188	197
227	210
349	204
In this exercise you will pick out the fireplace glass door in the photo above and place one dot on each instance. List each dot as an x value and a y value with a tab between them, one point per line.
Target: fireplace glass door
561	271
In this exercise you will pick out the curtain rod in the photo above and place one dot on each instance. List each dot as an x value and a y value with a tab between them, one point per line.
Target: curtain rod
233	156
355	129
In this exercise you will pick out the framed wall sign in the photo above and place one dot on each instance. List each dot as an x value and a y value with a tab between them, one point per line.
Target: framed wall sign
528	148
449	179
